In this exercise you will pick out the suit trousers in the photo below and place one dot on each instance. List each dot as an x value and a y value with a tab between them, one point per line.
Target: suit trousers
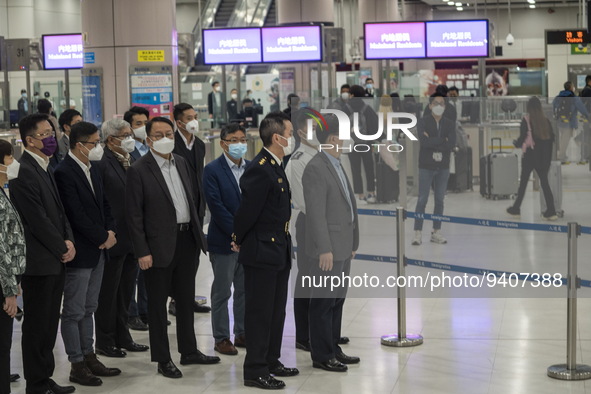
42	299
368	164
266	298
301	300
116	290
5	345
177	279
326	313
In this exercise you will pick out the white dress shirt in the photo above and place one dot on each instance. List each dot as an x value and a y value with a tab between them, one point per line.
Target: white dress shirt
188	144
85	169
295	171
42	162
237	170
280	162
175	187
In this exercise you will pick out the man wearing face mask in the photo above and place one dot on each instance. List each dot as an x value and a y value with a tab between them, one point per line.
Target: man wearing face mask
232	105
215	104
12	260
261	235
221	180
341	103
67	119
81	189
50	246
112	332
437	136
163	222
369	89
23	105
192	149
138	117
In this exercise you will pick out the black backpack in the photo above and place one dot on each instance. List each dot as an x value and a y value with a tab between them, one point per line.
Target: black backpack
564	109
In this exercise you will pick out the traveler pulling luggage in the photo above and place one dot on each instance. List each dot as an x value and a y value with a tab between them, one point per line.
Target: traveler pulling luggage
555	181
498	174
460	166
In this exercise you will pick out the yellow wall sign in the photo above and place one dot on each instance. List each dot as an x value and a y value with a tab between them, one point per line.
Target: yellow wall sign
150	56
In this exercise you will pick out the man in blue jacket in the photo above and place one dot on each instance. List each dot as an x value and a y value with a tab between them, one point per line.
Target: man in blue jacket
221	186
566	105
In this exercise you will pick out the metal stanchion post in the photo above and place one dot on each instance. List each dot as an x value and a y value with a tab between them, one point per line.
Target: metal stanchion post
402	339
570	370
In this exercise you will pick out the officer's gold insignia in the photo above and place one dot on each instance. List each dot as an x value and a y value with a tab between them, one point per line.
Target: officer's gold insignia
280	180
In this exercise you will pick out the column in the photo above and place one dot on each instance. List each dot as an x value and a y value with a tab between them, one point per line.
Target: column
115	31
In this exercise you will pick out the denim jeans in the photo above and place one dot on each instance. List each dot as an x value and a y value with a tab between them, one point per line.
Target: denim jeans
81	292
437	178
226	271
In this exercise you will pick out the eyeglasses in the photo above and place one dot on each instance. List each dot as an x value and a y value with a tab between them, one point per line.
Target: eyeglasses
95	144
157	137
45	135
124	136
235	140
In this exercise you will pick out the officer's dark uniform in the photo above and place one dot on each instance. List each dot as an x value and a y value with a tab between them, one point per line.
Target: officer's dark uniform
261	228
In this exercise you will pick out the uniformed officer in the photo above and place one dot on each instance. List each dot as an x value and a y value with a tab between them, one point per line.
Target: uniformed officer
261	234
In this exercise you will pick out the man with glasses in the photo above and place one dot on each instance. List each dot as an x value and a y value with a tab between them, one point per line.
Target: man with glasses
81	189
192	149
112	331
437	136
50	246
221	186
163	221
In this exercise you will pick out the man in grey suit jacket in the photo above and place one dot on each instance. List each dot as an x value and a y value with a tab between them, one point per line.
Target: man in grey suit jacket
332	237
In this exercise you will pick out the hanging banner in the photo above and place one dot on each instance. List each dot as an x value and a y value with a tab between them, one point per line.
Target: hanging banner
152	88
92	99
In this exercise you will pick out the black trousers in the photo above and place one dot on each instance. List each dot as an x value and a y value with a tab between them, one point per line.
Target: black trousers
529	163
113	307
326	314
266	297
355	158
177	279
5	345
42	299
301	301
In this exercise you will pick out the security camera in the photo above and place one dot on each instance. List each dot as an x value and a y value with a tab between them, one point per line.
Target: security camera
510	39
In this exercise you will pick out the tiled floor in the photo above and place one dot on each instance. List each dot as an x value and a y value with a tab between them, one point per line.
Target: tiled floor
486	343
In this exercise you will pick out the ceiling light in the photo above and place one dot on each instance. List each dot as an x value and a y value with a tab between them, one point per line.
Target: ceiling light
532	6
460	8
451	3
531	1
458	4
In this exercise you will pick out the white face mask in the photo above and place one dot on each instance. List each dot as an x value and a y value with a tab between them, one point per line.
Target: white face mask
127	144
11	170
234	96
217	88
140	133
437	110
192	126
345	95
287	150
163	145
96	153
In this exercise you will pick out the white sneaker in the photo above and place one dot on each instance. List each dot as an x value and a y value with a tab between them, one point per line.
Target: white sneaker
417	240
371	199
437	238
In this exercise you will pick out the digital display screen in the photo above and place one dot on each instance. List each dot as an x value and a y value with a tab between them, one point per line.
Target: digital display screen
292	44
394	40
448	39
64	51
232	46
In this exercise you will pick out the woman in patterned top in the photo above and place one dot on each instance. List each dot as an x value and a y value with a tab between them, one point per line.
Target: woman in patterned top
12	261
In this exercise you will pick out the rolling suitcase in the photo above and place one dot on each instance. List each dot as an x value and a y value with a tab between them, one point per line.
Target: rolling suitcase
499	176
461	179
555	181
387	183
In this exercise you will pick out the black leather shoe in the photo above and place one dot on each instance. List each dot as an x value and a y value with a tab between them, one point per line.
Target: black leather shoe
199	358
14	377
135	347
110	351
198	308
265	382
332	365
169	370
343	340
57	389
305	346
135	323
281	370
343	358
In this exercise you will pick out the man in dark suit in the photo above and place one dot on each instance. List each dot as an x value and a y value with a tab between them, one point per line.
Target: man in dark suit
81	190
232	105
50	245
67	119
165	231
261	234
112	332
332	237
192	149
215	104
221	181
138	117
369	87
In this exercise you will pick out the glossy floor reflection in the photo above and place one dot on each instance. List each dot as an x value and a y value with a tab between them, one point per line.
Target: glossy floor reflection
471	345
